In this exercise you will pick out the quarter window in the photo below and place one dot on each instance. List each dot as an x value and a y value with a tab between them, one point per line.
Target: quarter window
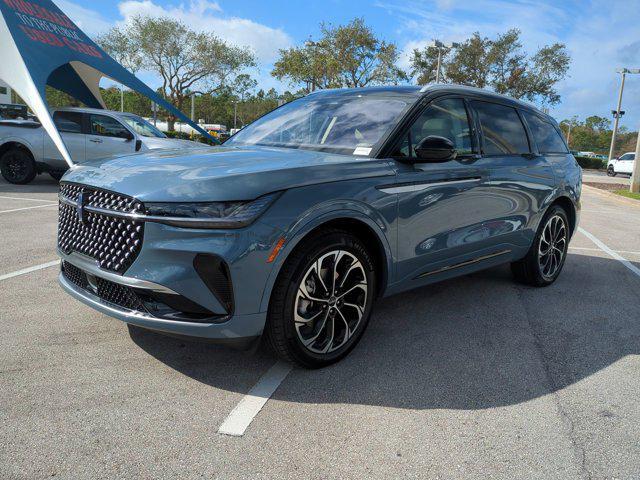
546	136
68	122
443	118
502	129
107	127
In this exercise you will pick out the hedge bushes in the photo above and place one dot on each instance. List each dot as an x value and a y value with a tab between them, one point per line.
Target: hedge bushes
592	163
195	138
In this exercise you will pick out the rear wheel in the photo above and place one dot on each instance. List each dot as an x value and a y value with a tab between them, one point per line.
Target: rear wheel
611	171
322	300
545	260
17	166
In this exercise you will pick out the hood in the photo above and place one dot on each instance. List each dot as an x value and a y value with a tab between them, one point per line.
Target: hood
153	143
221	173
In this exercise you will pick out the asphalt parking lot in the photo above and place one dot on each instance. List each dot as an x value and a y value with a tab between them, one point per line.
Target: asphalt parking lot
477	377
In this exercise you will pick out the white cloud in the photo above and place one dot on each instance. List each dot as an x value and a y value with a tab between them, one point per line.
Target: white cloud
208	16
90	21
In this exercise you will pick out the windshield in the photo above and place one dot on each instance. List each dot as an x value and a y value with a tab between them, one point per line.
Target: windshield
142	127
340	123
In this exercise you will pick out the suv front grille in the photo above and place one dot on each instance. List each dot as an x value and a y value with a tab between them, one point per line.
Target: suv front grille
113	241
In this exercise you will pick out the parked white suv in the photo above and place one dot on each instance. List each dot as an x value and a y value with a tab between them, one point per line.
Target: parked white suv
622	164
89	134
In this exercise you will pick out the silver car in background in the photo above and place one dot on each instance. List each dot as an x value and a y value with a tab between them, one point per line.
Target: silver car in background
89	134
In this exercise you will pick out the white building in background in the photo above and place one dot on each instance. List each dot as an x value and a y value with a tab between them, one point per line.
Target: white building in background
5	93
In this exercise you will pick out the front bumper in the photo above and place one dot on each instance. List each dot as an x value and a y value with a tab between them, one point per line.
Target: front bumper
165	266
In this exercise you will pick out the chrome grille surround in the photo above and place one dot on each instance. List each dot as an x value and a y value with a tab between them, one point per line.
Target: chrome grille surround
91	222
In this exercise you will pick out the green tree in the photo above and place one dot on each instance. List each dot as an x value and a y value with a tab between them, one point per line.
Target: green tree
345	56
188	62
500	64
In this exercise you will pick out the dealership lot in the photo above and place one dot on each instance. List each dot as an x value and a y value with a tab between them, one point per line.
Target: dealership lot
476	377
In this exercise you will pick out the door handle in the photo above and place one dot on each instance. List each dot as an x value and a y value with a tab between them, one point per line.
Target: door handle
95	140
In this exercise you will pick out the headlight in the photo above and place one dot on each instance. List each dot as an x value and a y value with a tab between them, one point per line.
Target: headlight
209	215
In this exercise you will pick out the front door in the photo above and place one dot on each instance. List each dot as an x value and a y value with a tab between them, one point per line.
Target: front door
443	207
108	137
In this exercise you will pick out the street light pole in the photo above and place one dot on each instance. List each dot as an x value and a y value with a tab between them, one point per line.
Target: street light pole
121	97
440	46
617	114
438	68
193	107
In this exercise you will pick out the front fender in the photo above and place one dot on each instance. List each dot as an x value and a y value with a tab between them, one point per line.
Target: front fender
319	216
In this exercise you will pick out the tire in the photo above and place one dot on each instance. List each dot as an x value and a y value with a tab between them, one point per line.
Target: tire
541	267
611	171
17	166
336	318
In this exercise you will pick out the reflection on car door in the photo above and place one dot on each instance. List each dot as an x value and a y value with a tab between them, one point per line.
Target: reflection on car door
521	180
625	165
69	125
107	137
444	207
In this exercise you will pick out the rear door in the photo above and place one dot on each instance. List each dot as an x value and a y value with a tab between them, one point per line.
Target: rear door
520	180
107	137
69	124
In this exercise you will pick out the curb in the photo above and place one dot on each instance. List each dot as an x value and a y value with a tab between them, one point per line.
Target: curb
612	196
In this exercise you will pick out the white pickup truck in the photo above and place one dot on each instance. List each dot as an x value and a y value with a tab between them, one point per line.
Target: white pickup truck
26	149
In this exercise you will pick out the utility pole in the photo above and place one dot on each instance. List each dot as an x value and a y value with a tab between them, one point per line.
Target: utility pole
635	176
441	46
569	136
618	113
121	97
235	114
193	107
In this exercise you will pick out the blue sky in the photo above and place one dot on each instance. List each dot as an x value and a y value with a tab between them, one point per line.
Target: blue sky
601	35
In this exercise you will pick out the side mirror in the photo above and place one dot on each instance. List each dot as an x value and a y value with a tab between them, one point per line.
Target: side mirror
435	149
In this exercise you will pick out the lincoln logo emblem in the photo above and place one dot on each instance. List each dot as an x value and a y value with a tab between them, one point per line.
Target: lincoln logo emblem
80	209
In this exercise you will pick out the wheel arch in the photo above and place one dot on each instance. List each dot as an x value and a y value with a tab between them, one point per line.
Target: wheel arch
358	223
568	206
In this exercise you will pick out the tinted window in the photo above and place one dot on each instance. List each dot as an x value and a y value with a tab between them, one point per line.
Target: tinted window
107	127
628	156
545	135
443	118
502	129
70	122
325	121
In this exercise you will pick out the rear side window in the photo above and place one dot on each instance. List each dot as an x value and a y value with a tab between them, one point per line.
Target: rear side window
69	122
502	129
545	135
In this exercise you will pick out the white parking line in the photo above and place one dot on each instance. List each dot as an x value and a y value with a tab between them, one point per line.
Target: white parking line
610	252
586	249
29	208
24	271
26	199
251	404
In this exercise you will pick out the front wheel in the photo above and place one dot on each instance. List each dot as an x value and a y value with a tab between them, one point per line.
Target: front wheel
545	259
611	171
322	301
17	167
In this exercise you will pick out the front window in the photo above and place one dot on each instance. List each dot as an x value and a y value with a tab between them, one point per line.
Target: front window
337	123
142	127
628	156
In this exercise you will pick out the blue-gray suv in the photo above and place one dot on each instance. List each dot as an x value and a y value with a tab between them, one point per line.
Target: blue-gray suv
293	228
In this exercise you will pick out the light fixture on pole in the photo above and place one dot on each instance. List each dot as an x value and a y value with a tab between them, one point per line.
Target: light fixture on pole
617	113
442	46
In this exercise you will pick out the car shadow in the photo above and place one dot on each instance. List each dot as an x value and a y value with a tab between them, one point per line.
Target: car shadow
475	342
